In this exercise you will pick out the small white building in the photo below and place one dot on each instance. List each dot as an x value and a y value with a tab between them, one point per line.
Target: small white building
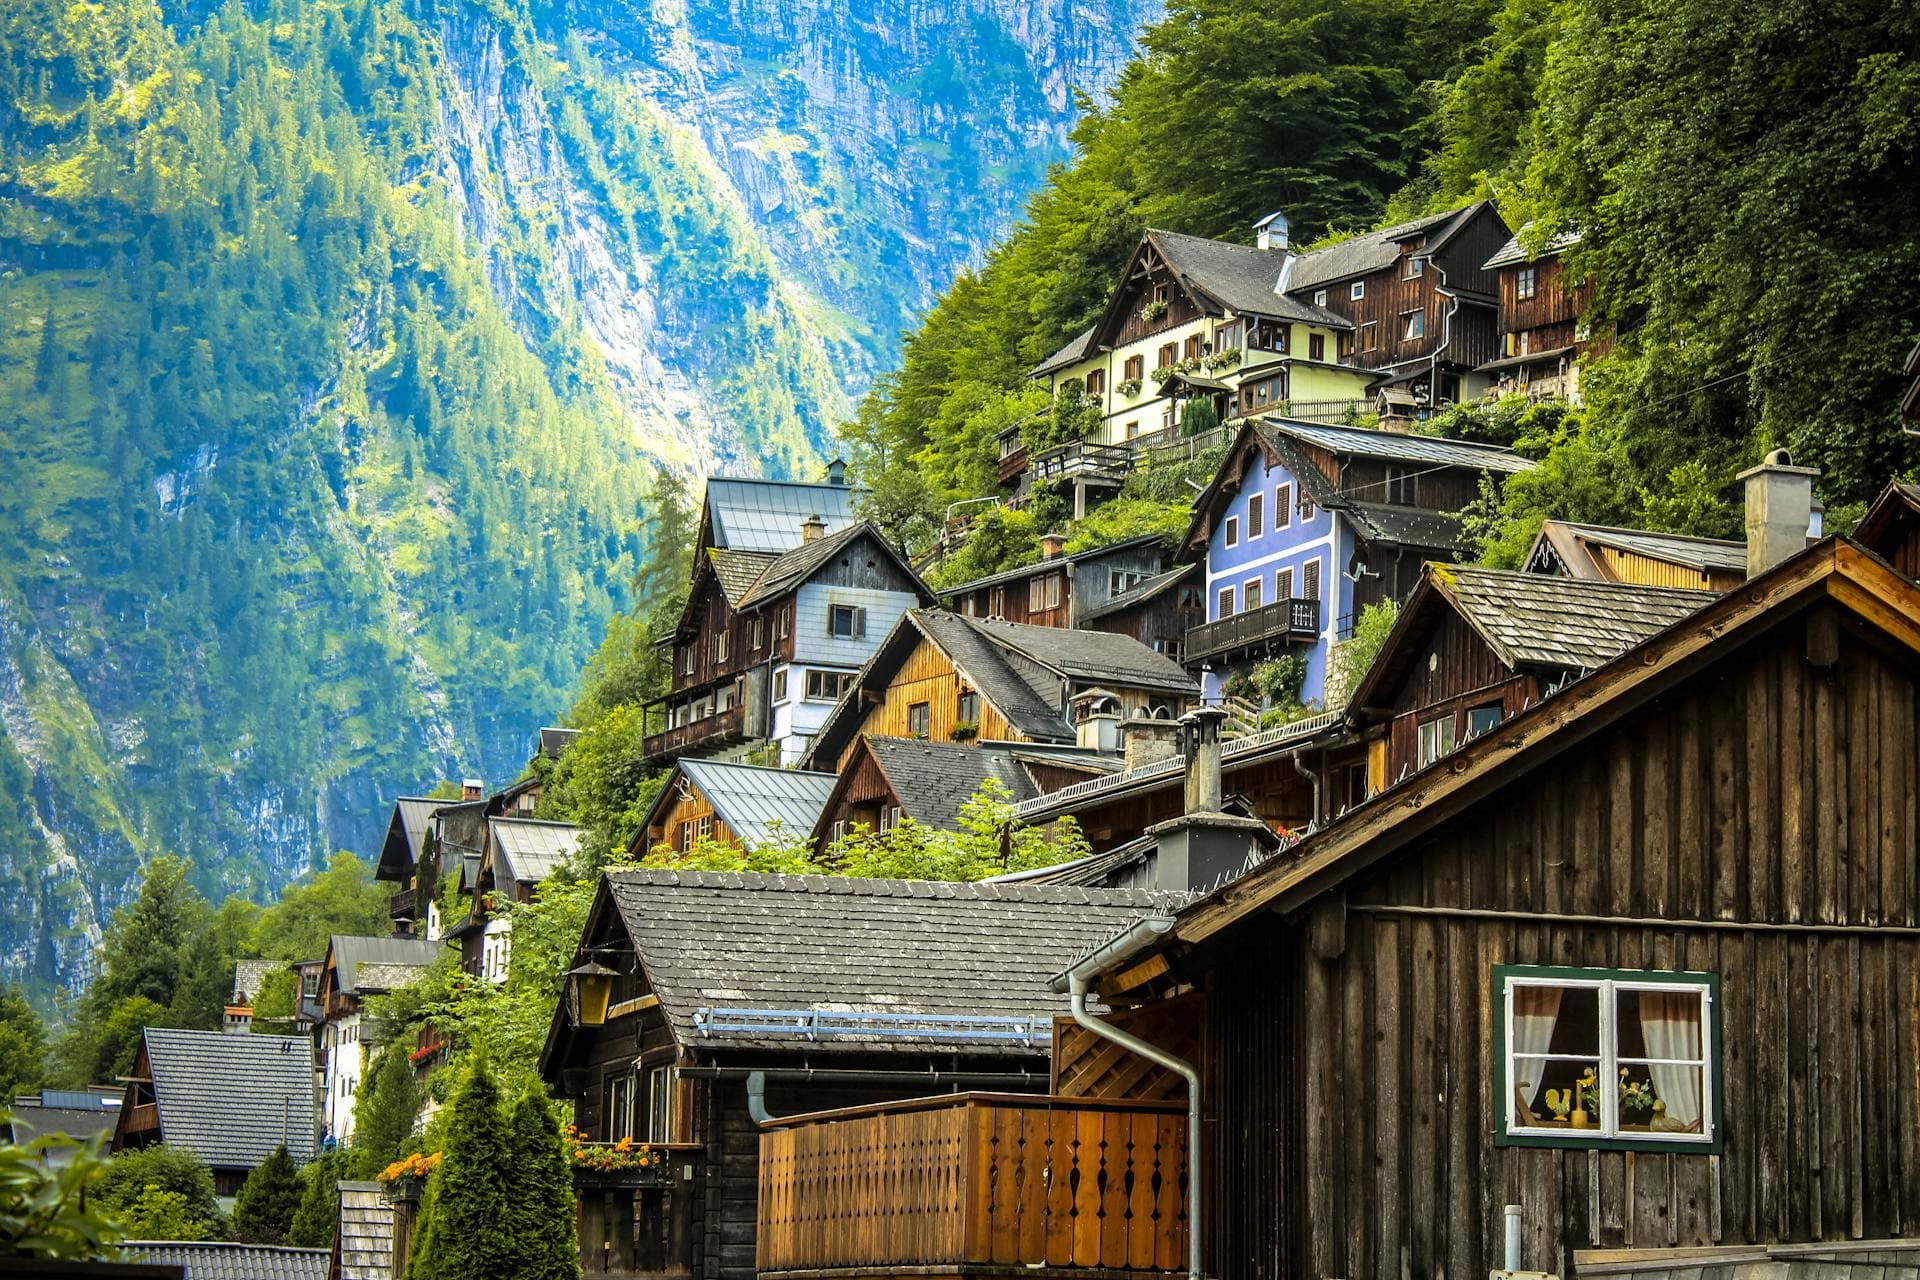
354	969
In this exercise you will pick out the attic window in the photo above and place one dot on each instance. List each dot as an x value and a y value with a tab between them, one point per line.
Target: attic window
1435	739
1416	266
1624	1058
846	622
1319	297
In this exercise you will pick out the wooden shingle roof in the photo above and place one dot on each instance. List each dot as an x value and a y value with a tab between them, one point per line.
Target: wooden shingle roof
1538	620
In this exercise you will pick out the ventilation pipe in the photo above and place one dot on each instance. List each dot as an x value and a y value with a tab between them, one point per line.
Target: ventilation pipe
1201	731
1779	502
1078	982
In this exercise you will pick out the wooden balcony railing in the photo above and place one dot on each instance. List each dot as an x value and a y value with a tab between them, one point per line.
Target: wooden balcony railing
401	905
1012	465
1283	621
1082	461
143	1117
721	729
994	1181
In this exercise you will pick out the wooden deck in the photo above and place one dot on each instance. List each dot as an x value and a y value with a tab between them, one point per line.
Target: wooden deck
976	1183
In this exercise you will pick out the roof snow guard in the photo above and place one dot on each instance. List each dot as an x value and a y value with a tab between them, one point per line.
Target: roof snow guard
833	1024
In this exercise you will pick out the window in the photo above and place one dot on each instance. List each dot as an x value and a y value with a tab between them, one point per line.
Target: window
1306	507
1256	515
1121	581
1436	739
661	1083
1192	350
1310	581
620	1107
1482	719
1133	428
1233	531
966	707
1525	283
310	983
1413	324
1226	602
1161	293
1399	486
783	622
780	685
686	660
1416	266
997	602
1319	297
1169	356
1316	346
722	646
1283	585
1283	506
1227	336
757	633
703	827
890	815
1345	345
828	686
1250	592
1043	592
1135	368
1097	382
1652	1037
1369	338
1357	290
920	719
1268	335
846	622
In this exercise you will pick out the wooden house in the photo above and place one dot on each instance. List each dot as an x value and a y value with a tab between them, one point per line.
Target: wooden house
768	642
227	1099
887	779
1421	300
1597	553
1891	527
1542	338
746	806
1306	525
742	1000
949	678
520	853
1473	648
1124	587
354	969
1639	960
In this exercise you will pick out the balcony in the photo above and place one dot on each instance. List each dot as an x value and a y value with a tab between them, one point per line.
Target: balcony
1281	623
1090	463
1013	465
401	905
977	1182
722	729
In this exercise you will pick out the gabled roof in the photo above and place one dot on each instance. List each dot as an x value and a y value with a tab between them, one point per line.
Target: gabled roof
1893	514
791	571
231	1099
1513	253
1563	538
555	740
357	961
932	780
745	514
1834	571
532	849
1138	595
28	1121
1105	657
225	1260
708	940
1399	446
1026	571
737	571
1239	277
1376	250
406	836
247	975
1073	352
759	805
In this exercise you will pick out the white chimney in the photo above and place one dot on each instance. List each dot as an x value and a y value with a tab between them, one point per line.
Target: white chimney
1779	502
1272	232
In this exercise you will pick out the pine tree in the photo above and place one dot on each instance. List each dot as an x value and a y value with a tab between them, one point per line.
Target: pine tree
319	1212
542	1205
463	1234
268	1199
384	1113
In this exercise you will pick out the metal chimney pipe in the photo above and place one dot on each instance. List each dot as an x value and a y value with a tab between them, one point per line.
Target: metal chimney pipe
1512	1215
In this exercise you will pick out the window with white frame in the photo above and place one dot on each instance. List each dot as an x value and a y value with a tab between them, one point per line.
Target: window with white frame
1358	291
846	622
1435	739
828	686
1525	283
1121	581
1251	592
1413	324
1607	1057
1233	531
1283	506
1319	297
661	1083
780	685
1226	602
1256	514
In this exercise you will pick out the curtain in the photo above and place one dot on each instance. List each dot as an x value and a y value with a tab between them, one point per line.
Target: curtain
1535	1011
1670	1022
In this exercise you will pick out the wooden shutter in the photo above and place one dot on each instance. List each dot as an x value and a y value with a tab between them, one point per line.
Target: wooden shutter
1311	591
859	623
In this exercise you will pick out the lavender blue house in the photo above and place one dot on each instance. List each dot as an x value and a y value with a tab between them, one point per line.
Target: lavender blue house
1305	525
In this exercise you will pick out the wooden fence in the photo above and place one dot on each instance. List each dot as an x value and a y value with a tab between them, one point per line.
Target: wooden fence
977	1180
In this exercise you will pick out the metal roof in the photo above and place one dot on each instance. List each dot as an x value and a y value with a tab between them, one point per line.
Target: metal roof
28	1122
1025	571
1373	251
765	515
1674	548
554	740
224	1260
350	953
1396	446
735	940
533	849
1074	352
758	804
231	1099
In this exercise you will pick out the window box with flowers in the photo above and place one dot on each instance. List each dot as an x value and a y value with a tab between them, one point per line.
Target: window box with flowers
1129	388
964	731
407	1178
625	1163
1164	374
1223	359
1155	310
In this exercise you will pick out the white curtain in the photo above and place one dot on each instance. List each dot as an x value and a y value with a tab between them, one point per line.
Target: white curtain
1670	1022
1535	1011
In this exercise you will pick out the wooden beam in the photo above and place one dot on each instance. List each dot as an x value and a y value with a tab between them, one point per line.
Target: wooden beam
1137	975
638	1004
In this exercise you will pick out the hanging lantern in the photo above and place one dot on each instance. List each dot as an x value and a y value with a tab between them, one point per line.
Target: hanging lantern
590	989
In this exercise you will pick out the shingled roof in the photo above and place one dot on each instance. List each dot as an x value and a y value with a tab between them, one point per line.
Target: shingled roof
1072	353
1105	656
1536	620
195	1079
533	849
1399	446
406	835
1139	594
791	570
351	955
1240	277
225	1260
1513	253
709	940
933	780
737	571
1373	251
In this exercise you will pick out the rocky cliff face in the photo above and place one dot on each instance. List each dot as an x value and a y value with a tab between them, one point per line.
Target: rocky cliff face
338	340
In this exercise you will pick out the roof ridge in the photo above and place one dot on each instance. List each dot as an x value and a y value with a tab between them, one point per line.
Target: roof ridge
874	887
763	768
1649	533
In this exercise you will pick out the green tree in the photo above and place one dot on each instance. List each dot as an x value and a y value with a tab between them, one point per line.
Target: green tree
464	1233
159	1214
206	976
95	1052
268	1199
273	1004
176	1174
343	898
542	1208
317	1217
46	360
146	944
23	1045
384	1113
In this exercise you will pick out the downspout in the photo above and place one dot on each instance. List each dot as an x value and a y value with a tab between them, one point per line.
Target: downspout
1079	980
1312	776
757	1097
1446	340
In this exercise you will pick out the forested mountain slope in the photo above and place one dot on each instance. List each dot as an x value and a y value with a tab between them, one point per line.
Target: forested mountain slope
339	340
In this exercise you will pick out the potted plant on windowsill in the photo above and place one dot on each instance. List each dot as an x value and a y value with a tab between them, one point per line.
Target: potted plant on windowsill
1164	374
1129	388
625	1163
406	1179
1153	311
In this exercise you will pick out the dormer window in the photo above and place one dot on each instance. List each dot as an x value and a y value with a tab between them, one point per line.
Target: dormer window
1357	290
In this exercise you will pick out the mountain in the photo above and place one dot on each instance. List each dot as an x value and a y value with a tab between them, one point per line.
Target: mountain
339	341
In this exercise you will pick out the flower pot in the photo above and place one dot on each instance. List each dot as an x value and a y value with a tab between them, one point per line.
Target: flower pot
405	1189
615	1179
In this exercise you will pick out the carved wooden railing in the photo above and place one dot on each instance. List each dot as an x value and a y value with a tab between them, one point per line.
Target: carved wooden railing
720	729
1283	620
977	1180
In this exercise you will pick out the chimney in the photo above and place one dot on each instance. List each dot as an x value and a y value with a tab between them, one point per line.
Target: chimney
1201	735
1145	739
1779	501
472	789
1052	545
837	471
813	528
1271	232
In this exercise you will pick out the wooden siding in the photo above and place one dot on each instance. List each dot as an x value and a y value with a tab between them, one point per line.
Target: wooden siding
691	806
927	676
1758	823
863	792
1365	479
1554	303
1403	732
1146	272
1628	566
1089	1066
